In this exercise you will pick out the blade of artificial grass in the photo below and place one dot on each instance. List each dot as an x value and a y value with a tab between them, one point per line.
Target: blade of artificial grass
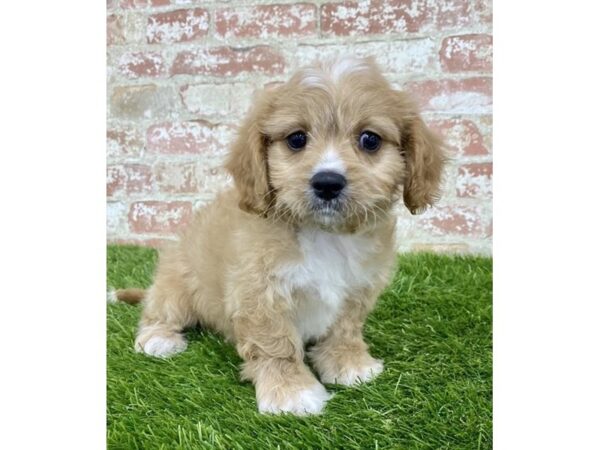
432	327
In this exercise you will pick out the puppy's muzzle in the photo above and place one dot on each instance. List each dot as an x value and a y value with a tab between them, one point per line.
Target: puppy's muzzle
327	185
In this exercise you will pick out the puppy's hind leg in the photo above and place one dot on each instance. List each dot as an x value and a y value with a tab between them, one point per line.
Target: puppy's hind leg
164	317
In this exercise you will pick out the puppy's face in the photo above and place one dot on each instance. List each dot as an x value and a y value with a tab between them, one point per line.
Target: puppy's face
333	147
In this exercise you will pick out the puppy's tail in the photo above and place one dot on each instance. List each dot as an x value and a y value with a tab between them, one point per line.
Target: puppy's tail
133	296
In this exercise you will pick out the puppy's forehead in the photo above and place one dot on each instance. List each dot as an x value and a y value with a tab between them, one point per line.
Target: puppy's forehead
349	81
332	97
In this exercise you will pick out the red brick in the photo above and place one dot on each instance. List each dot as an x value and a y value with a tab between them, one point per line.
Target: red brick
462	136
450	13
114	30
470	95
474	180
128	179
265	21
453	220
482	11
131	4
124	142
142	64
377	17
181	25
468	52
159	217
351	18
193	137
177	177
228	61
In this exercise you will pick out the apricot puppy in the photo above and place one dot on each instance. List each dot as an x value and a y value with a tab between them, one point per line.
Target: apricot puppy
298	251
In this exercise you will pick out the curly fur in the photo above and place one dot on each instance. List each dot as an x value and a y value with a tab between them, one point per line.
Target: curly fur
271	271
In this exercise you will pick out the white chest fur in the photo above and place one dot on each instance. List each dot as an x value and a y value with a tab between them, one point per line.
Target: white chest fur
332	266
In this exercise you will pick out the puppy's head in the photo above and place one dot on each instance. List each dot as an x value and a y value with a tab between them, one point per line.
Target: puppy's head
335	147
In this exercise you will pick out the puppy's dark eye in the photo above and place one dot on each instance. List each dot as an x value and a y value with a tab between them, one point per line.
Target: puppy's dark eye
369	141
297	140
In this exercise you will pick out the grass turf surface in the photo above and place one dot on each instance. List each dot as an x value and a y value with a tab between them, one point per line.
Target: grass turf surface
432	327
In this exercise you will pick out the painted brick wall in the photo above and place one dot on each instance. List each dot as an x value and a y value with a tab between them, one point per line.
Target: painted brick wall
181	74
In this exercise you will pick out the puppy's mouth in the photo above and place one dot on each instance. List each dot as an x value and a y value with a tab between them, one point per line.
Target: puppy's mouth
328	212
328	207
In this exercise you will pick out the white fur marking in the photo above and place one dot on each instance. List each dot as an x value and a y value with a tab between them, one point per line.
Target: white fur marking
332	267
330	161
334	71
306	401
163	347
345	66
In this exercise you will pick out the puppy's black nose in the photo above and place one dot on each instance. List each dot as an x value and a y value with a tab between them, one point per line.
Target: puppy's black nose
327	185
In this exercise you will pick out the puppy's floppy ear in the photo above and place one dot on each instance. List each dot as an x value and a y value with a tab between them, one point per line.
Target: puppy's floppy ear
247	160
425	158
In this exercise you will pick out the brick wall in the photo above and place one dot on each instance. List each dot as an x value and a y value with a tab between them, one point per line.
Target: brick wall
181	74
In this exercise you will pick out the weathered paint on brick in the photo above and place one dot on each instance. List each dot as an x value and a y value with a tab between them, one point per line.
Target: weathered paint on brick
266	21
404	17
462	136
466	53
228	61
453	220
132	4
128	179
352	18
124	141
192	137
142	64
182	25
450	14
475	180
467	96
482	12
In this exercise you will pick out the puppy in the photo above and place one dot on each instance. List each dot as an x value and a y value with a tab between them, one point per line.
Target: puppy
299	250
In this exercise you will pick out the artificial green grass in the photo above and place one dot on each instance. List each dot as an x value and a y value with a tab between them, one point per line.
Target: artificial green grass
432	327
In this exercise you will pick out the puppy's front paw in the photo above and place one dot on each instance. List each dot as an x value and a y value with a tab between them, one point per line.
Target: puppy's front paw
352	372
300	402
162	346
